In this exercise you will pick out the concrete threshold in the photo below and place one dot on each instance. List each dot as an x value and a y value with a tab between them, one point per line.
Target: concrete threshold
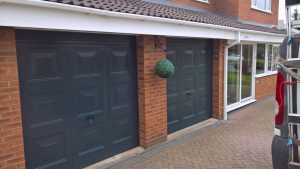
117	158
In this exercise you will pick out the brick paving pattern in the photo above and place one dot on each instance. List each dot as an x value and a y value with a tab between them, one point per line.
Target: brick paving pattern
242	142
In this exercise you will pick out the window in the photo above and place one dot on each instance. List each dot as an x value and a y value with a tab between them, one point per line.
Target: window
266	58
260	58
265	5
273	53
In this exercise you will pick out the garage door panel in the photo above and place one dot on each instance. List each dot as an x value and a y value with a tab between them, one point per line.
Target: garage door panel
44	61
172	82
89	100
121	60
79	97
188	79
90	138
187	57
204	103
202	56
87	59
204	83
89	119
46	108
173	113
172	86
43	85
87	81
121	77
188	109
121	94
38	130
43	67
192	81
49	151
172	55
203	68
121	134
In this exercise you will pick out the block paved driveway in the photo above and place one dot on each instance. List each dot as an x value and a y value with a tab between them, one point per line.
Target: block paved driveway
242	142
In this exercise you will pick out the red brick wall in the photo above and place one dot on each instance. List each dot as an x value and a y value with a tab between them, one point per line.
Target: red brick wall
152	94
218	78
265	86
247	13
238	8
228	7
11	134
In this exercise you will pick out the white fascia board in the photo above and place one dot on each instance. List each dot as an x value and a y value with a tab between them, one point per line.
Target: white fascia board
56	19
36	14
247	36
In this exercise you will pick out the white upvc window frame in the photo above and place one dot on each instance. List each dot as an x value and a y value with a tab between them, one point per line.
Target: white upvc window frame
204	1
254	5
266	71
250	99
272	59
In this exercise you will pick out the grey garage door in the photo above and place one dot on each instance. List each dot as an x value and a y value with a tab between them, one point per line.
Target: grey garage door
78	95
189	90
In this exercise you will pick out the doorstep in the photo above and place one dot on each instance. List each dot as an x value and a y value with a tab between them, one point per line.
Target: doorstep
117	158
186	131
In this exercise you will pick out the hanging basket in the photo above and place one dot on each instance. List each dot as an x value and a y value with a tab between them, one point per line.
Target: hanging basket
164	68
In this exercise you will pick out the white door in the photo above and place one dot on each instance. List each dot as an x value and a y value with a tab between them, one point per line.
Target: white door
240	75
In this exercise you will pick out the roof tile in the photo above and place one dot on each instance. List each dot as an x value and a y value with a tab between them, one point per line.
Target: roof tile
140	7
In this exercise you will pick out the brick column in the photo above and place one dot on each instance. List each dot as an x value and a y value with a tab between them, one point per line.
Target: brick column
151	92
265	86
11	133
218	78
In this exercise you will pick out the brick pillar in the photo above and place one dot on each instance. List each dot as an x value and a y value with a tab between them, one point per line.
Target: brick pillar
151	92
11	134
218	78
265	86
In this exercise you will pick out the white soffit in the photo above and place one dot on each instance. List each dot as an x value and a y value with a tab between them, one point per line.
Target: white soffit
34	14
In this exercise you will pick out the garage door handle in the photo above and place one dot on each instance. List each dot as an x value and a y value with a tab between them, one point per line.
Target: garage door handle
91	119
188	94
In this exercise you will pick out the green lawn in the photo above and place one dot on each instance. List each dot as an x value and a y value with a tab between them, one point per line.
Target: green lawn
232	79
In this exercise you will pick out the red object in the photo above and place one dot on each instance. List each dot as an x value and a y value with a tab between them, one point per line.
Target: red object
279	118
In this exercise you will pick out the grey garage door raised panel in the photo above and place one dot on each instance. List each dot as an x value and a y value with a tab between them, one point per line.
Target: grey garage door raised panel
189	91
78	95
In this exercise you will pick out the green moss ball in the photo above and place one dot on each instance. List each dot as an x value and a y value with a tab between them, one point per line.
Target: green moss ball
164	68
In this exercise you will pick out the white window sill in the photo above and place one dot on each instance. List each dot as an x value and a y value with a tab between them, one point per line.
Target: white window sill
238	105
202	1
266	74
261	10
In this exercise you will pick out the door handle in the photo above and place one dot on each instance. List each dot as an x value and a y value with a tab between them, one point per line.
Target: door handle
90	119
188	94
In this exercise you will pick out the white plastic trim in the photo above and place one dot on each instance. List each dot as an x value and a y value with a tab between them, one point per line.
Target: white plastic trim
9	7
266	74
261	10
239	105
204	1
238	40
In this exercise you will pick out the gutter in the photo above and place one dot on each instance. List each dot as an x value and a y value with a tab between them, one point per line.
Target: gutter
238	40
89	11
